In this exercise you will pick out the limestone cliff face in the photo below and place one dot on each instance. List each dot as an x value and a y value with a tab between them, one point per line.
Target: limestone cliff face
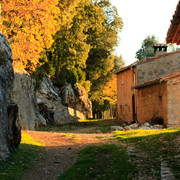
7	115
45	107
23	94
77	98
83	104
51	107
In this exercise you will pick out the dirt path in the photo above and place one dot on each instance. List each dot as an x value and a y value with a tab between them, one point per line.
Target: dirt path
61	152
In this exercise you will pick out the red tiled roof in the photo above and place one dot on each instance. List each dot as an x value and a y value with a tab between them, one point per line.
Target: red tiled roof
173	31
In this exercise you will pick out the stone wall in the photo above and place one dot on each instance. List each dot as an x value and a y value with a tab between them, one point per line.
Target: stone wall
158	66
173	90
152	103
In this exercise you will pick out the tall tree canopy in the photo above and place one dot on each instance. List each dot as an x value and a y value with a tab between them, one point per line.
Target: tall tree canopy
72	40
83	49
102	39
29	26
146	51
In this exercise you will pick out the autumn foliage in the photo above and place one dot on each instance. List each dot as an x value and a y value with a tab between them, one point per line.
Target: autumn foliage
29	26
70	40
109	92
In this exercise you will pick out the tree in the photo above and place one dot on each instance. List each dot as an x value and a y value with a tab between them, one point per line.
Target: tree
102	38
29	26
109	92
84	46
146	51
70	50
118	62
106	94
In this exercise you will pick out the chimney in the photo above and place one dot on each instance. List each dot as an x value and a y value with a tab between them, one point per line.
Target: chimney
159	49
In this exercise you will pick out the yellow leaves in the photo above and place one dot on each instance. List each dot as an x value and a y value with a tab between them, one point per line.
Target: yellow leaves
30	26
110	90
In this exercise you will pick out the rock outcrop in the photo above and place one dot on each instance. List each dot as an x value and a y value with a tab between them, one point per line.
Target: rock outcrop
44	107
14	123
76	98
6	83
83	104
23	93
51	108
68	96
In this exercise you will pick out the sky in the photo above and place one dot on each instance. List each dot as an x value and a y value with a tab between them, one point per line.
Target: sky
142	18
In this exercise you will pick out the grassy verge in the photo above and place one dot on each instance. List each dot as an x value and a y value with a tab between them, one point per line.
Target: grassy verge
157	145
100	162
21	159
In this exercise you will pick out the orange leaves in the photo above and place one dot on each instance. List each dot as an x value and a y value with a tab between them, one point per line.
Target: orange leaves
29	26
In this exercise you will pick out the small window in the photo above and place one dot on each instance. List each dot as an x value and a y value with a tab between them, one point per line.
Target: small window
160	97
121	110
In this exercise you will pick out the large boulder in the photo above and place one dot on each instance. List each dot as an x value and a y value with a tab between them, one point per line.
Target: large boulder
64	115
68	96
77	98
6	137
24	95
6	84
83	104
51	108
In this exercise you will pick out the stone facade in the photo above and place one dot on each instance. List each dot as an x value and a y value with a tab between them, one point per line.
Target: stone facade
152	102
160	100
155	85
156	67
173	93
125	81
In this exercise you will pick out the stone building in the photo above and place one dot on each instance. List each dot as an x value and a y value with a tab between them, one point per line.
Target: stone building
126	78
149	90
158	99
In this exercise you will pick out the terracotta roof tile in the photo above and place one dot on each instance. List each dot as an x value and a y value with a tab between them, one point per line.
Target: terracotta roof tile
174	24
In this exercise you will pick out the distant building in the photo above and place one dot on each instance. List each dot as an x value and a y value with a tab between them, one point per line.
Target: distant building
149	90
126	79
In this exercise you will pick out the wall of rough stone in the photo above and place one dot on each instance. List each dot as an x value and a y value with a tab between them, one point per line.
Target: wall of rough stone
158	66
173	90
152	103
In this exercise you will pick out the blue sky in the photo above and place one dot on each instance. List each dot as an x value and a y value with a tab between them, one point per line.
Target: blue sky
142	18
